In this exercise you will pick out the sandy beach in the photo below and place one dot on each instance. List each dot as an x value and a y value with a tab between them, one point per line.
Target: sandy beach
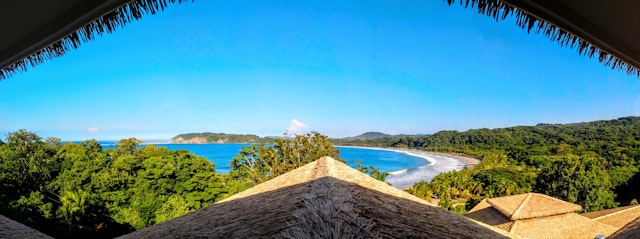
436	163
468	161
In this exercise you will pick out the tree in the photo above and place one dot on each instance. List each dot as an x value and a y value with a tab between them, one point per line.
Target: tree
79	190
513	157
175	206
422	190
78	165
73	206
578	179
260	162
26	163
372	171
137	185
127	146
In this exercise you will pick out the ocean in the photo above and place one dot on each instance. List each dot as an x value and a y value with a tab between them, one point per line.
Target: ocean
405	168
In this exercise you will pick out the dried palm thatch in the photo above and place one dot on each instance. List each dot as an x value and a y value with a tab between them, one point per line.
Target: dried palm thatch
98	16
535	215
616	217
10	229
531	205
563	226
601	213
82	21
561	22
484	212
323	199
629	231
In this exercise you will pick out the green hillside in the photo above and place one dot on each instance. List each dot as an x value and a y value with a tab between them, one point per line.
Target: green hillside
369	135
594	164
209	137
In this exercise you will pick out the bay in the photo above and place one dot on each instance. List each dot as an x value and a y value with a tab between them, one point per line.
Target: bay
405	168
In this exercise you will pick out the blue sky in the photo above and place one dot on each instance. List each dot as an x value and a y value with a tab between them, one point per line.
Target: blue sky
342	69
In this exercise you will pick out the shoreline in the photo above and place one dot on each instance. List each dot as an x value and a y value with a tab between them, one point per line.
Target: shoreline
468	161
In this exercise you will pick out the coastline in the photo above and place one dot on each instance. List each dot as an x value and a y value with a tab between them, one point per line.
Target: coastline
438	162
468	161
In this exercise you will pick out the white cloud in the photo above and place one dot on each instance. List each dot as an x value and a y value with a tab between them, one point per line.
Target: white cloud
93	130
296	126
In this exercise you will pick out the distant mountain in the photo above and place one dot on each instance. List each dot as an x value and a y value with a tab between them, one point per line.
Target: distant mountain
372	139
218	138
375	135
369	135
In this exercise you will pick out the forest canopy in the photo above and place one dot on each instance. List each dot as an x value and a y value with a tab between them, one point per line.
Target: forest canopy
80	190
592	164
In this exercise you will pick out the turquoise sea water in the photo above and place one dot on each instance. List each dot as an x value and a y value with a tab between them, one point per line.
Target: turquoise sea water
406	168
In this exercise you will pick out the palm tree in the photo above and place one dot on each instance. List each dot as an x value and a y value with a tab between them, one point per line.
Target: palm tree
73	207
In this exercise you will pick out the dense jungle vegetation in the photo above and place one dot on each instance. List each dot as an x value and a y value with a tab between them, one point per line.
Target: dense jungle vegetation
592	164
79	190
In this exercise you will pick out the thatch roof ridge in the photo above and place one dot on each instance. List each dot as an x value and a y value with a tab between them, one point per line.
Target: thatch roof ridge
323	199
10	229
522	205
499	230
531	205
326	167
629	231
567	35
620	218
300	175
104	18
487	214
601	213
631	208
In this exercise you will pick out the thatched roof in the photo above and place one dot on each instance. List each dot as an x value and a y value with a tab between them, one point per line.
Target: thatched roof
531	205
563	226
40	30
535	215
10	229
629	231
37	30
601	213
608	30
616	217
323	199
484	212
